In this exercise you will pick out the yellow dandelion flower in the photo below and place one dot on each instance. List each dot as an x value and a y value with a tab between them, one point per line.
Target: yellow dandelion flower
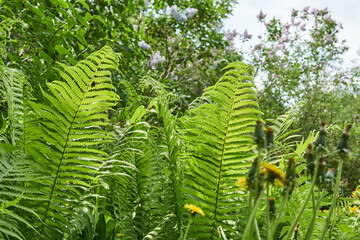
325	210
355	195
66	204
67	181
242	182
354	209
119	235
276	171
194	209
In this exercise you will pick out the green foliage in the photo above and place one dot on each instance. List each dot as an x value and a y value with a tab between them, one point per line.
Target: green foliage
217	135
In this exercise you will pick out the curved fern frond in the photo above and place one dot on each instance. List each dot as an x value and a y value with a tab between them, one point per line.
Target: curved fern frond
67	135
16	89
218	134
286	139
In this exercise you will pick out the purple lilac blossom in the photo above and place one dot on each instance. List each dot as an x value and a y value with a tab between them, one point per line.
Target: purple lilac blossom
156	59
261	15
143	45
190	12
247	35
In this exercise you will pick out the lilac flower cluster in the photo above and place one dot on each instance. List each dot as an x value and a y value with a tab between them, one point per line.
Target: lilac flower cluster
156	59
143	45
230	36
181	16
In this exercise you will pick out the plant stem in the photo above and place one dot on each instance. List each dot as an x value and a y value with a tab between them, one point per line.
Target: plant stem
278	217
257	229
315	208
267	213
251	219
292	227
334	199
187	228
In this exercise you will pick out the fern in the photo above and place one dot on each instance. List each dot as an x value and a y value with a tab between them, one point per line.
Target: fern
217	136
64	141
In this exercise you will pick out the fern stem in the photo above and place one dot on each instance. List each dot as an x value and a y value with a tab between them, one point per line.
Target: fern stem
219	176
292	227
334	199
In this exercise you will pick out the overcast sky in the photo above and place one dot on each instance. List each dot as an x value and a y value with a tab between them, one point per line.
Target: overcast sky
345	11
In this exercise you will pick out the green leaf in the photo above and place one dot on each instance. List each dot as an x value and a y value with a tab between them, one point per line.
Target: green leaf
47	58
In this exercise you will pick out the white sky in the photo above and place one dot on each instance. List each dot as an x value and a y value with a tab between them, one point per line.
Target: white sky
345	11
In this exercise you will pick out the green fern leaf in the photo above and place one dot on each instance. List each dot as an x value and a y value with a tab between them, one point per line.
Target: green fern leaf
218	134
67	135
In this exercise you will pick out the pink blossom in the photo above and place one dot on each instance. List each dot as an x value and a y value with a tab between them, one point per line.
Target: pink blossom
306	9
261	15
287	25
293	13
328	39
285	38
302	27
315	12
294	23
256	47
247	35
325	10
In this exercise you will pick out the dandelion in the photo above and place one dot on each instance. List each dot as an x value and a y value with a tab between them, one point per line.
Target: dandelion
355	195
194	209
354	209
242	182
143	45
274	173
119	235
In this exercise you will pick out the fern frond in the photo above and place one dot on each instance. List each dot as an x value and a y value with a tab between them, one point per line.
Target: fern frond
16	89
67	135
218	134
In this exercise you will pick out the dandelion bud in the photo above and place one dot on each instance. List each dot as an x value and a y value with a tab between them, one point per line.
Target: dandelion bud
259	134
269	136
320	180
291	175
320	142
272	209
330	178
343	146
310	161
252	174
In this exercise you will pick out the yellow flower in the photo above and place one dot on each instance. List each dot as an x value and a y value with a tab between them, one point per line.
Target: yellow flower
355	195
242	182
273	169
119	235
194	209
354	209
66	204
